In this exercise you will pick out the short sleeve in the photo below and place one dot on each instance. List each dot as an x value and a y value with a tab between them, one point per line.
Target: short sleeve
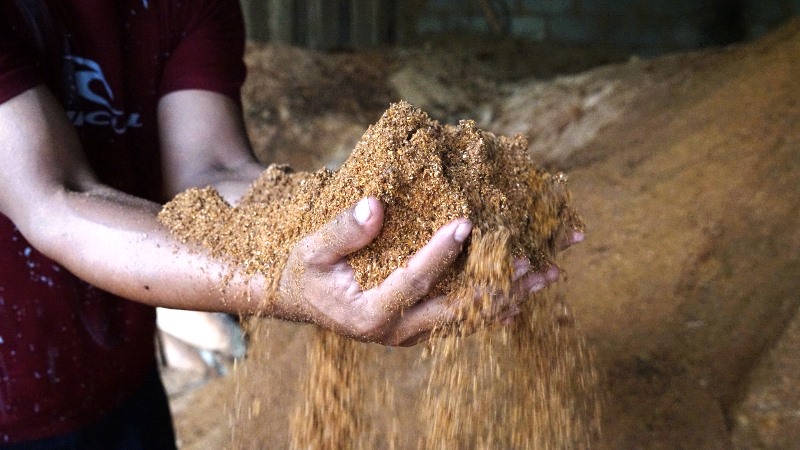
209	53
17	72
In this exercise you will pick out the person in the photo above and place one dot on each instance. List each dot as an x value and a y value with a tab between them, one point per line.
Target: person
108	108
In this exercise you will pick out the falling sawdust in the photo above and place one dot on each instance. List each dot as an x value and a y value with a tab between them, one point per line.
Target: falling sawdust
529	385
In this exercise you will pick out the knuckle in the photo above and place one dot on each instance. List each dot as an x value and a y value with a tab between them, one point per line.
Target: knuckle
395	339
307	251
417	286
397	342
369	333
302	249
368	329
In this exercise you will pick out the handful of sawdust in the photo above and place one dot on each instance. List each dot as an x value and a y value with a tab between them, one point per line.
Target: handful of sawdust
426	174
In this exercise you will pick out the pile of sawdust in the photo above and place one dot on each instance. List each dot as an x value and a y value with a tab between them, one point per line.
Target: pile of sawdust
426	175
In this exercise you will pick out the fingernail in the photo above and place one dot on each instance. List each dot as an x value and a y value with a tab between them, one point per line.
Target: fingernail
553	273
535	282
537	286
521	267
363	212
462	232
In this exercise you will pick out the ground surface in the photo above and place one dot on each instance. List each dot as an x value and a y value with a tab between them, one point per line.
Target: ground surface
686	170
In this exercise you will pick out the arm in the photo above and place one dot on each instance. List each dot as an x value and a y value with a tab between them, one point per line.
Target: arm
113	241
204	143
105	237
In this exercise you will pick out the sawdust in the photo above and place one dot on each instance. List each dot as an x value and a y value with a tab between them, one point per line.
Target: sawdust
426	174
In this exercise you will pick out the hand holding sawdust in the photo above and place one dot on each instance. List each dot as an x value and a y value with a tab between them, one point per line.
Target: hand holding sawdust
391	269
319	281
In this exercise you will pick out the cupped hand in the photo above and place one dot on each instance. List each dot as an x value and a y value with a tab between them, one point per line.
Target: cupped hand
319	285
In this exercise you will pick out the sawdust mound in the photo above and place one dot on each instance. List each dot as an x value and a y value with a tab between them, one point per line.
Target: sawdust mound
426	174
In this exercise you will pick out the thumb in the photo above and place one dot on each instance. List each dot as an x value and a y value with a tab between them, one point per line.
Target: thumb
351	230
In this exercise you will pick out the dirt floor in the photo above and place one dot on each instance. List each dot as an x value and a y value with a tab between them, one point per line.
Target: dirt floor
685	169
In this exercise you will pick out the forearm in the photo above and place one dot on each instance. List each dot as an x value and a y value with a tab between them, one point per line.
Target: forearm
105	237
115	242
204	143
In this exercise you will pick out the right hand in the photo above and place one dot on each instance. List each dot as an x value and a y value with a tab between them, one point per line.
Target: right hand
318	285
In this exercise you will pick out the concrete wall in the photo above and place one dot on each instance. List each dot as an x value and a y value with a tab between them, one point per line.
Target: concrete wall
646	27
322	24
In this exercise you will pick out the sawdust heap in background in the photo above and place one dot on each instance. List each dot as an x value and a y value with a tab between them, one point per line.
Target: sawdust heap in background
426	174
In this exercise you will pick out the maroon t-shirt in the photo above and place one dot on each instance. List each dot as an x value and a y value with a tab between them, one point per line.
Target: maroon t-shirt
70	352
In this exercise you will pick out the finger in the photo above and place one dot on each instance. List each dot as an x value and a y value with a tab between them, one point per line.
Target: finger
407	285
570	238
351	230
528	283
500	302
437	317
577	236
521	267
536	281
421	320
507	317
442	315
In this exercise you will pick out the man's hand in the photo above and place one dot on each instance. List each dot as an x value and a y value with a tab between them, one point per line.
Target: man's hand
320	283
